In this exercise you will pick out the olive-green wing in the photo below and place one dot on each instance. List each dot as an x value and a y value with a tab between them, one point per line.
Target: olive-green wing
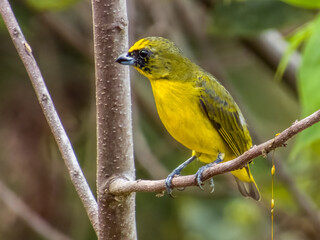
224	114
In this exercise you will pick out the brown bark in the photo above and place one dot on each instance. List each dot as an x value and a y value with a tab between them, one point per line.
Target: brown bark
114	130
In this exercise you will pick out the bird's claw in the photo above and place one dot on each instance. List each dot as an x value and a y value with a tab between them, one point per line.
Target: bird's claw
212	185
176	172
199	176
169	183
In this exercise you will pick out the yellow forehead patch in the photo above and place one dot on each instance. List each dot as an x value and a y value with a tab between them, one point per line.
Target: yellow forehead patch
139	45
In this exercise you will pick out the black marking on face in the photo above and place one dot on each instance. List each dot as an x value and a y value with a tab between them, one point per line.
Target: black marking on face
142	57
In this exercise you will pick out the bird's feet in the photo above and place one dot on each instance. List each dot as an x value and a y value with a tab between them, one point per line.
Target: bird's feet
169	181
199	176
176	172
202	169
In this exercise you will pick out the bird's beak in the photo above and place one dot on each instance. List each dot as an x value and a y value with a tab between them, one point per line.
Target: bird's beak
125	59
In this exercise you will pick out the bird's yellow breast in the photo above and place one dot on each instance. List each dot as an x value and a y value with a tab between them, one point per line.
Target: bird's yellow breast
178	107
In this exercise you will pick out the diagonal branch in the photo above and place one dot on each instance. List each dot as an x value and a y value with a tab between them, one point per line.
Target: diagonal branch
50	113
118	185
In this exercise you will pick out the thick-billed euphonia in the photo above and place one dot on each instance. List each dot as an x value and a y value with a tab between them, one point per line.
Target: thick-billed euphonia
194	107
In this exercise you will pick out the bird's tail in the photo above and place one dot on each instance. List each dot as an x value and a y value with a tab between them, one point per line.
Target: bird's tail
246	184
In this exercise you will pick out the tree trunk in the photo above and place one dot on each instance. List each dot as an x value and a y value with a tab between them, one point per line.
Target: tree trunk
114	129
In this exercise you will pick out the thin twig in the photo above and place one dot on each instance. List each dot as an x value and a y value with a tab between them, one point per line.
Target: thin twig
9	198
50	113
120	185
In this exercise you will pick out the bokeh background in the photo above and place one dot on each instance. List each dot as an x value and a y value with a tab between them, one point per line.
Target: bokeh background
240	42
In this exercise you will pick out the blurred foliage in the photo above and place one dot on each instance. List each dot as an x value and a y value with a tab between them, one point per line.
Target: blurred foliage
309	85
50	5
308	78
297	38
62	43
304	3
251	17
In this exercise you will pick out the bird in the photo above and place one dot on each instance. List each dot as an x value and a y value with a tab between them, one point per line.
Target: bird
194	108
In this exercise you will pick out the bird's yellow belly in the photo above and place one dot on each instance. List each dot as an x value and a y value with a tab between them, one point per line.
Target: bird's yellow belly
179	109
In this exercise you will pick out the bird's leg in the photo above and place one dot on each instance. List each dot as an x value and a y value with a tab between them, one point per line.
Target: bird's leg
177	171
219	159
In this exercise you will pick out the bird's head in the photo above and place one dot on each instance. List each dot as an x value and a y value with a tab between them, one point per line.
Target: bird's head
154	57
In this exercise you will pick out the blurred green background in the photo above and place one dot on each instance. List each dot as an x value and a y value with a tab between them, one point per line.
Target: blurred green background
226	38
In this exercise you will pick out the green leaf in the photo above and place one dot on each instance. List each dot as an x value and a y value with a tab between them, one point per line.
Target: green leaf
254	16
295	41
49	5
309	87
304	3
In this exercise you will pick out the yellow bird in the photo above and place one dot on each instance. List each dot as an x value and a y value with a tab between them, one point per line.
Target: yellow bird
195	109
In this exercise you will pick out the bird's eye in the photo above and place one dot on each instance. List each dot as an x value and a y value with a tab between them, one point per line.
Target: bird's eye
144	53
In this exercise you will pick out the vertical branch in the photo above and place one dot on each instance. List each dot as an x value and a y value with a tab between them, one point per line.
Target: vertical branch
114	130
